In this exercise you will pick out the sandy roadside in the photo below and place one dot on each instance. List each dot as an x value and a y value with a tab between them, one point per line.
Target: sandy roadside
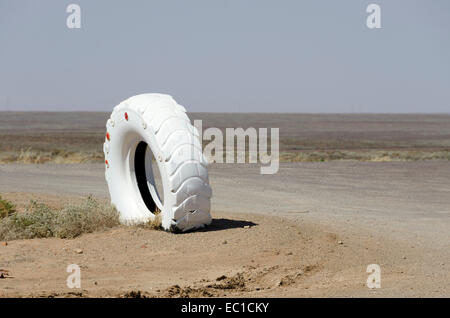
240	255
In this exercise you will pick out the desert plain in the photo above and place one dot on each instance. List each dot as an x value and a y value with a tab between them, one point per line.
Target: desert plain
352	190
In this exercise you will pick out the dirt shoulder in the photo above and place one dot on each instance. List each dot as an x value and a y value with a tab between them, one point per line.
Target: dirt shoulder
241	255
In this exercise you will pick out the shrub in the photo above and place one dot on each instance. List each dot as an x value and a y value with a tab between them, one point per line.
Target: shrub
73	220
6	208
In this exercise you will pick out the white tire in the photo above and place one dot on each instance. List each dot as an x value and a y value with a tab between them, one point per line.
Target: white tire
158	121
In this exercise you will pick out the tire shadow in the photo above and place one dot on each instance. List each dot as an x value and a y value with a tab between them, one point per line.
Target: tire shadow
226	224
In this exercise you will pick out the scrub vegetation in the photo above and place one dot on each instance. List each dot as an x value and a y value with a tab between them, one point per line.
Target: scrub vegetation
40	221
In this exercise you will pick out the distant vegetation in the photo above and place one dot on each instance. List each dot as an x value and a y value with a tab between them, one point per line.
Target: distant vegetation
56	156
364	155
79	137
30	156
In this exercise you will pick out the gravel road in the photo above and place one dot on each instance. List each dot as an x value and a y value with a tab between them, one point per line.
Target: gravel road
404	199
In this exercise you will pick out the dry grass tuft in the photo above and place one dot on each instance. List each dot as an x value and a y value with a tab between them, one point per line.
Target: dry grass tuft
154	224
40	221
6	208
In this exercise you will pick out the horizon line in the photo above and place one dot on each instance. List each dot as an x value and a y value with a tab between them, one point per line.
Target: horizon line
210	112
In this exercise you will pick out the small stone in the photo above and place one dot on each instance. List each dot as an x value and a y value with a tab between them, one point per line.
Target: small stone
5	243
290	253
340	242
224	242
79	251
404	257
246	226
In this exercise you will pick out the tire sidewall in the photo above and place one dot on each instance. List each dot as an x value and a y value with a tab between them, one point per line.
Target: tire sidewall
120	175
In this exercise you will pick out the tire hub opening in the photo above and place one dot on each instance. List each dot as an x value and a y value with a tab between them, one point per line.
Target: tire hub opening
145	178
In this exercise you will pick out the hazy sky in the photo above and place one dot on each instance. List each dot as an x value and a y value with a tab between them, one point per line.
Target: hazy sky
227	55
